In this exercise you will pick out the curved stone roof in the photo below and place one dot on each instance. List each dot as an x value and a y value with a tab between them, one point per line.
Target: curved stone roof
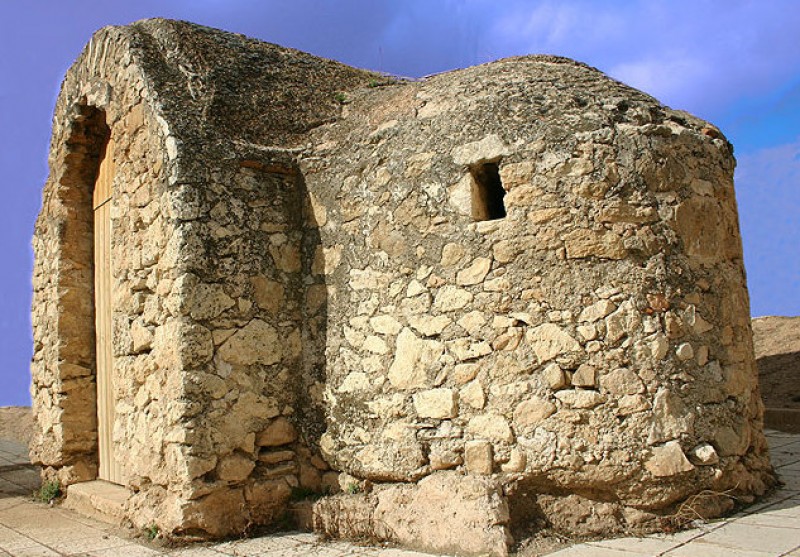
214	86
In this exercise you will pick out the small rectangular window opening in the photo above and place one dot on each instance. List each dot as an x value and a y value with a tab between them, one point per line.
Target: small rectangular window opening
487	192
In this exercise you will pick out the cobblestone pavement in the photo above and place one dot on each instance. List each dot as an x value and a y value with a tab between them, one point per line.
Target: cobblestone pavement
770	528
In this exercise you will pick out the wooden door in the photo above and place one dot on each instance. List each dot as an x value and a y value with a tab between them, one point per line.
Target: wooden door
101	202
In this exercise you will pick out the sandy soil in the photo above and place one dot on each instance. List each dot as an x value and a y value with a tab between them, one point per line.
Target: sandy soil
16	423
777	347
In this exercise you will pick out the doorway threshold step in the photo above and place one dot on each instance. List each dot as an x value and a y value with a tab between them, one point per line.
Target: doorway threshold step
98	499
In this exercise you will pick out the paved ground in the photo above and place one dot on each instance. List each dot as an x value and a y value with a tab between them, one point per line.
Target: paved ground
27	529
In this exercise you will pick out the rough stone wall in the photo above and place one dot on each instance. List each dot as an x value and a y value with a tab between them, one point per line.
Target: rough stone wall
306	265
99	99
239	303
216	351
593	345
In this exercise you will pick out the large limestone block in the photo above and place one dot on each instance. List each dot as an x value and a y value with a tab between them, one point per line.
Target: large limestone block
436	403
493	427
451	298
548	341
394	456
668	460
219	513
707	229
596	311
279	432
267	500
208	301
533	411
428	325
621	381
235	467
414	358
583	242
475	272
670	417
268	294
447	513
182	343
255	343
385	325
488	149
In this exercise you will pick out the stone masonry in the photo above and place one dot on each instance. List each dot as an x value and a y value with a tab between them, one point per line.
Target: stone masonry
499	299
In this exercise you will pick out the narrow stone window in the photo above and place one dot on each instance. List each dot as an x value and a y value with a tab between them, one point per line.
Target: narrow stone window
487	192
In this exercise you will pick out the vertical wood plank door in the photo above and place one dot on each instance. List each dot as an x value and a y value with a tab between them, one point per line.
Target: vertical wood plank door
101	201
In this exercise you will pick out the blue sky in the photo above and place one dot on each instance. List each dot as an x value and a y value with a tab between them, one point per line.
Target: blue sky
733	62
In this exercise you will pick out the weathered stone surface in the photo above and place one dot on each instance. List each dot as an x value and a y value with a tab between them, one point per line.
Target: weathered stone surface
580	399
255	343
668	460
584	376
625	321
452	254
395	456
684	351
492	427
490	148
473	395
141	336
475	272
354	382
596	311
375	344
591	243
631	404
385	325
671	417
208	301
479	457
429	326
414	358
548	341
279	432
531	412
428	516
621	381
267	499
268	294
436	403
368	279
464	350
704	455
216	513
451	298
562	302
234	468
555	377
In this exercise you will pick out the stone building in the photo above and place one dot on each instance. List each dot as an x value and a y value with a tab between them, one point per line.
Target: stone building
498	299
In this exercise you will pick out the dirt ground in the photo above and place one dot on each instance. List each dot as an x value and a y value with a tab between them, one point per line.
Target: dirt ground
16	423
777	347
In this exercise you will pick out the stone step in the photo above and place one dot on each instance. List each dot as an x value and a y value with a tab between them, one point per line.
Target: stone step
782	419
98	499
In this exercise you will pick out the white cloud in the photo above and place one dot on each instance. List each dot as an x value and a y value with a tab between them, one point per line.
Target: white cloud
551	26
698	56
666	75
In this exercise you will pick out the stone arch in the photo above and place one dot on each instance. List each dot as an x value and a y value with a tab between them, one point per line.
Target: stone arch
70	438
